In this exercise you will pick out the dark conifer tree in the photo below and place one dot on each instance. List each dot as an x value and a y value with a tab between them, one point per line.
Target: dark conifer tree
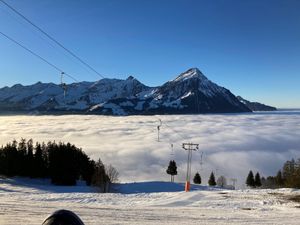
29	160
288	173
257	180
13	160
100	179
197	178
63	163
39	163
45	156
22	147
250	179
89	172
279	179
172	169
263	181
21	162
212	180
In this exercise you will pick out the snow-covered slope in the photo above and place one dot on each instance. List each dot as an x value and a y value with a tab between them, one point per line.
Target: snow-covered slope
81	96
190	92
256	106
30	202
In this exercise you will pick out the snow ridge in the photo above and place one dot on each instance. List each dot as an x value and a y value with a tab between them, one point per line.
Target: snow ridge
190	92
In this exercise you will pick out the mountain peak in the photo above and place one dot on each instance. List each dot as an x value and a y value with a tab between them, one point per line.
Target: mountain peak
189	74
130	78
195	70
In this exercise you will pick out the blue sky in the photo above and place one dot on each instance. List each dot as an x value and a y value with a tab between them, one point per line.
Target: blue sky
249	47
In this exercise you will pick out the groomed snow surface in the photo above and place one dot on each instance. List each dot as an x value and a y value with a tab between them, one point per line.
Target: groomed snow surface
25	201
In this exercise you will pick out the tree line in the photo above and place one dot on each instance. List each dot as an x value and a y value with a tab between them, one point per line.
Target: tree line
221	181
252	181
63	163
287	177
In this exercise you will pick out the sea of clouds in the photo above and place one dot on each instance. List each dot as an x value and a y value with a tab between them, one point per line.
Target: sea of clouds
232	144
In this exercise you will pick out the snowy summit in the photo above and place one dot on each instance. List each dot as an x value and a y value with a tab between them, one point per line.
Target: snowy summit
189	93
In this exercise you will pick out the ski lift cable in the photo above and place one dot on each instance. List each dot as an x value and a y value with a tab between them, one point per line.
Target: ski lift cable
70	76
158	129
38	34
168	138
201	160
169	127
181	136
38	56
176	132
53	39
184	137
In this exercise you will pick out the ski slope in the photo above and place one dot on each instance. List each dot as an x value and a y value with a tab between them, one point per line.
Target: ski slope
25	201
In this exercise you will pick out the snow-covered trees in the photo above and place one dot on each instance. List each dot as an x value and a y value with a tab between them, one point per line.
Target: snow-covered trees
197	178
172	169
212	180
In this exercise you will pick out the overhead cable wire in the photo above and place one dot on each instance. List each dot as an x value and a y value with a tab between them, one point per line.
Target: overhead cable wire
38	56
173	130
53	39
176	132
42	37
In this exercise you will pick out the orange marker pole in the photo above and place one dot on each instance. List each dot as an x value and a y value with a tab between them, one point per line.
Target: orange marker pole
187	186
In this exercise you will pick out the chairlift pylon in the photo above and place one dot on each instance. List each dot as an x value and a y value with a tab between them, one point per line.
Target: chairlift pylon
201	160
62	84
172	150
158	129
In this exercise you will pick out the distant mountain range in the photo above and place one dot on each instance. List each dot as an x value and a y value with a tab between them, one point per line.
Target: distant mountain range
189	93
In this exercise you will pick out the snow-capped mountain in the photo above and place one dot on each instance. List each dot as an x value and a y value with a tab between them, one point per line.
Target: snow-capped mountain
190	92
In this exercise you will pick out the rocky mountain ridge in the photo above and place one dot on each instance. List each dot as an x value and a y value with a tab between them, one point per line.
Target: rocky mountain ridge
256	106
189	93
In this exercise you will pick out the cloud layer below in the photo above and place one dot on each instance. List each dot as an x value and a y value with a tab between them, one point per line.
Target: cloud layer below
231	144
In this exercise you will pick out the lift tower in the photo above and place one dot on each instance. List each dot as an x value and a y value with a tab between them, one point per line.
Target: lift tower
190	147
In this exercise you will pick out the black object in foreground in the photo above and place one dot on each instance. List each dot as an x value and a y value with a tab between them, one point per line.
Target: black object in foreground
63	217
